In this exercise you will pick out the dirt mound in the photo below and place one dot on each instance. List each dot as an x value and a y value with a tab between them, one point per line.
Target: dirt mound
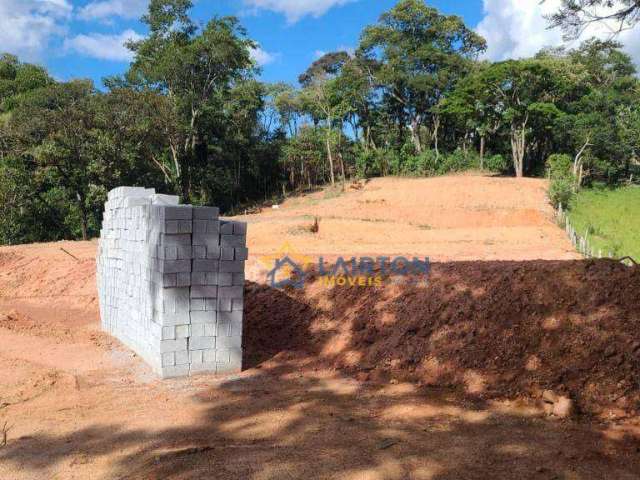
494	329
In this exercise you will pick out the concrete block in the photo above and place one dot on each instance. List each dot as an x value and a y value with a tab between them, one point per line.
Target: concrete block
202	343
174	266
197	330
226	227
232	316
231	267
175	372
182	358
225	304
230	292
241	253
205	265
213	252
164	199
168	333
228	342
225	279
167	346
171	281
203	317
196	356
182	331
239	228
178	212
204	291
227	253
197	305
206	213
168	319
183	279
171	240
235	241
168	359
205	239
203	368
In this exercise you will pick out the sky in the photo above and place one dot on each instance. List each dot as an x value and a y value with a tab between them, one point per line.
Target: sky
85	38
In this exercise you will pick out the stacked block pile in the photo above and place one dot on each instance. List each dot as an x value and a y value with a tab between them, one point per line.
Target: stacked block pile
171	282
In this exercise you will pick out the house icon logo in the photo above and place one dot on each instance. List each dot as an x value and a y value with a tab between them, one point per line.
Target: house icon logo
286	273
286	267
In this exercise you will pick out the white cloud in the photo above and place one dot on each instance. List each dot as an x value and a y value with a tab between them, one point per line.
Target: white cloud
262	57
517	29
105	9
294	10
104	47
28	26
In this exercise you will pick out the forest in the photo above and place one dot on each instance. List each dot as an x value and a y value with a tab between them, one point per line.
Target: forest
191	117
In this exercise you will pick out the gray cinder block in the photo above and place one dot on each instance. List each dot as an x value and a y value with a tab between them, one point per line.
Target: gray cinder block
171	282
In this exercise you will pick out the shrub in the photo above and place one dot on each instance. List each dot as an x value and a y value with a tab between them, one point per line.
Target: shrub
561	191
560	165
458	161
366	164
496	163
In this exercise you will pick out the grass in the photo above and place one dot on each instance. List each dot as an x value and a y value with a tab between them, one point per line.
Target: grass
611	218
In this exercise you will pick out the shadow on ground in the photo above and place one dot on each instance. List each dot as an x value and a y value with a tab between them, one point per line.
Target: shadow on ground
401	382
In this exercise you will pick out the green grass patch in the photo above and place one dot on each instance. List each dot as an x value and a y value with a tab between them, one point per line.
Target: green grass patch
611	218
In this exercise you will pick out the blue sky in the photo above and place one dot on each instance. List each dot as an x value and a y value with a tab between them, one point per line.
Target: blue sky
84	38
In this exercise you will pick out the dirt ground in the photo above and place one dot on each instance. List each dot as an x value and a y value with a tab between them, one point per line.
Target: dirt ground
455	218
75	404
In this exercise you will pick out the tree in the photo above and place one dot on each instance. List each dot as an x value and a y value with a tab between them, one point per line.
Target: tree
574	16
420	54
196	69
323	100
53	130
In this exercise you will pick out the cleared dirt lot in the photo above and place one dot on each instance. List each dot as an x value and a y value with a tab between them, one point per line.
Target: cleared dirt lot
453	218
331	390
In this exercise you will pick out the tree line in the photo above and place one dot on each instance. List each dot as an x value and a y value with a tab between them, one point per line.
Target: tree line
191	117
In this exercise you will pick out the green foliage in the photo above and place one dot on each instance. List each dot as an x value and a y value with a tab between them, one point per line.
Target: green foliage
561	190
189	117
458	161
496	163
612	218
563	181
368	164
560	165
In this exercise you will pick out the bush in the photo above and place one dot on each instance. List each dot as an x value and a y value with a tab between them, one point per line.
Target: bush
561	191
423	164
560	165
563	181
496	163
366	164
458	161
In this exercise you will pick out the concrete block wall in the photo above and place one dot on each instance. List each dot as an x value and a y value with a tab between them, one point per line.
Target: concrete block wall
171	282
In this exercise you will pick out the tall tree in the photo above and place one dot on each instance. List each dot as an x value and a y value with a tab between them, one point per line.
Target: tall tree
196	68
421	54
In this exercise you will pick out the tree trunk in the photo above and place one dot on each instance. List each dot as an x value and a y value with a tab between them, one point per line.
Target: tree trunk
83	216
436	128
518	146
330	156
415	133
482	140
344	179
